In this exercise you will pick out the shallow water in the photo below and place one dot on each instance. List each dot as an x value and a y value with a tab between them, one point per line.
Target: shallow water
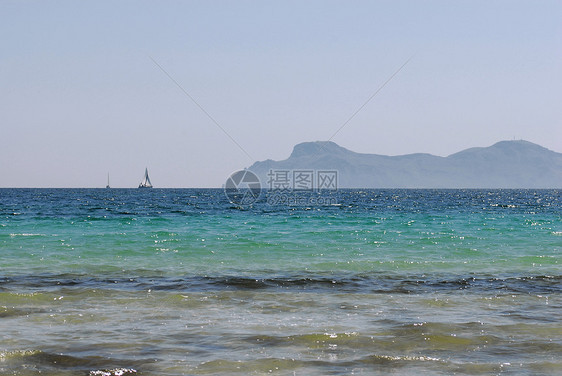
174	282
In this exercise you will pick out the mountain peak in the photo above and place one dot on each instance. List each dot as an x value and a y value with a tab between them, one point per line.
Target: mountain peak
508	148
317	148
519	144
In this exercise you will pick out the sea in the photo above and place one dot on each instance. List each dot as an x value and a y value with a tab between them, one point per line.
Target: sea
346	282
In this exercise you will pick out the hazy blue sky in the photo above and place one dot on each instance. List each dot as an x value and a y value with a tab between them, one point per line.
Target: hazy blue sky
80	95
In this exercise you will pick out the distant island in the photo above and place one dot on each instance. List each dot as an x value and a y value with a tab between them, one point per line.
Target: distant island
506	164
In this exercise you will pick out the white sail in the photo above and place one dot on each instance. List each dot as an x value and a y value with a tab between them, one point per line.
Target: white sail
145	183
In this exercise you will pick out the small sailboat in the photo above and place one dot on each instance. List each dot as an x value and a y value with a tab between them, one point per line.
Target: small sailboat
145	183
107	186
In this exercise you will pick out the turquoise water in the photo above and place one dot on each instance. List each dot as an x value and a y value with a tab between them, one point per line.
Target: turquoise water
175	282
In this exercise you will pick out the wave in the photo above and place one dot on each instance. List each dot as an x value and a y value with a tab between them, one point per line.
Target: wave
384	284
114	372
62	364
310	367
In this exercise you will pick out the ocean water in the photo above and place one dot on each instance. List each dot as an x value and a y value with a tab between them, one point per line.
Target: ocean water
378	282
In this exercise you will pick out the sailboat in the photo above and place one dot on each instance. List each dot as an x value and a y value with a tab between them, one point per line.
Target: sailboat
107	186
145	183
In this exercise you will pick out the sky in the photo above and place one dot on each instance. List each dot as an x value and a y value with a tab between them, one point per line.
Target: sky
195	90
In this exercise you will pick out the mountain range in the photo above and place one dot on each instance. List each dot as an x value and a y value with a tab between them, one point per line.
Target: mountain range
506	164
